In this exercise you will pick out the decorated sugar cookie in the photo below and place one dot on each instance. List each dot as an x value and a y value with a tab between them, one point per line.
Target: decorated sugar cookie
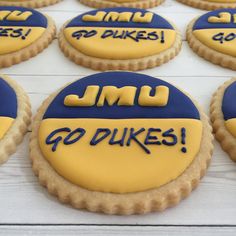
120	39
24	33
223	116
122	3
28	3
210	4
15	116
120	143
213	37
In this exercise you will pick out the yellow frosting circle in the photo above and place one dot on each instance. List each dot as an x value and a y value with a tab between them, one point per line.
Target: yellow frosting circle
19	28
111	168
217	30
120	34
110	138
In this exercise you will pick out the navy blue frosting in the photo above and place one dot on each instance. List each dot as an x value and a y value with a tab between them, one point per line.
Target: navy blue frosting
202	22
179	105
228	103
35	20
157	21
8	100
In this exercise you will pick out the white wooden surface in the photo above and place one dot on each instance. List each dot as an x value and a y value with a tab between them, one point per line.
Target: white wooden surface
26	208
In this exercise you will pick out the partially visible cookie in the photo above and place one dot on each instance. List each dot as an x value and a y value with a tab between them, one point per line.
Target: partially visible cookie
213	37
24	33
120	143
120	39
28	3
210	4
15	116
122	3
223	117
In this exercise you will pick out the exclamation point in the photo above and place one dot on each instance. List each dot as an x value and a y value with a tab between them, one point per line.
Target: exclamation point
27	33
162	37
183	140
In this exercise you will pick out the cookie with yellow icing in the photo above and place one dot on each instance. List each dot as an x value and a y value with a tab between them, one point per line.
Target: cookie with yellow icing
213	37
122	3
119	39
223	117
210	4
28	3
24	33
15	116
120	143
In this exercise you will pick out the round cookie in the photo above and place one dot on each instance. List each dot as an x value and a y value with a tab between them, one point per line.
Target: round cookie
119	39
24	33
120	143
15	115
213	37
122	3
210	4
28	3
223	117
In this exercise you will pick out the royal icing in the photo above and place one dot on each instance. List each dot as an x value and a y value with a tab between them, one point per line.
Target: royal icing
19	28
8	107
120	132
217	30
120	33
229	108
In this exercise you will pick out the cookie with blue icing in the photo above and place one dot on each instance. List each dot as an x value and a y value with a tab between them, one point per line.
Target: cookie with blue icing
28	3
119	39
24	33
14	116
122	3
213	37
210	4
109	140
223	116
